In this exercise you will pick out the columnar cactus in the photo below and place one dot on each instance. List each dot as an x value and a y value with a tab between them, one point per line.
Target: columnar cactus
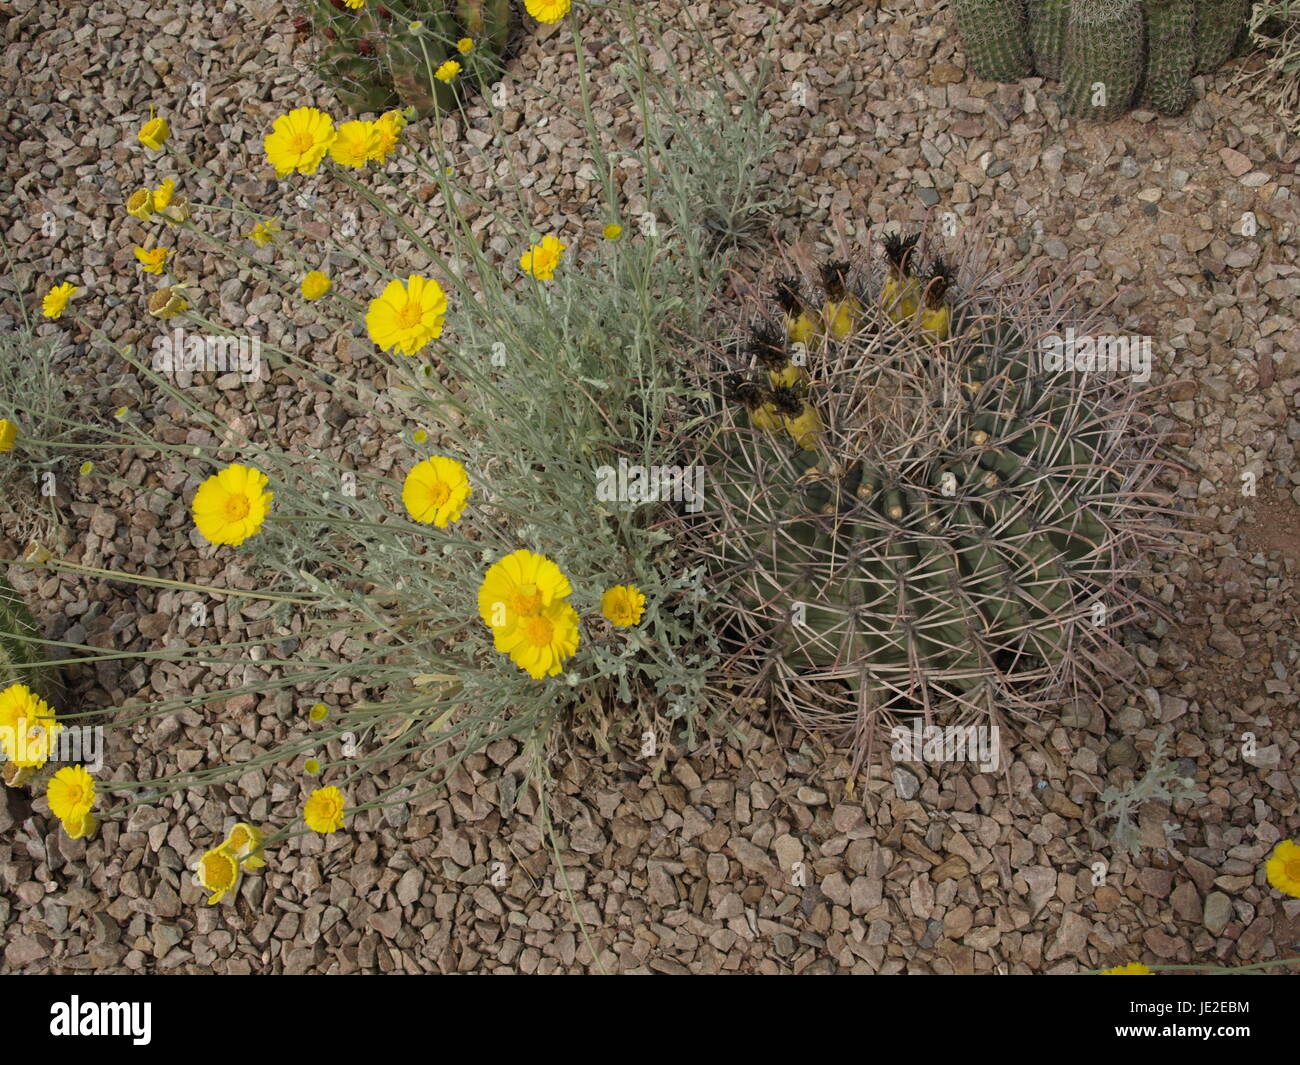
994	34
1171	50
1103	57
21	660
1048	20
932	515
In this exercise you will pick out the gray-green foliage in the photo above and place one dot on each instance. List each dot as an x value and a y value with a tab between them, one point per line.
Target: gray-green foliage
1103	57
22	658
994	34
1161	781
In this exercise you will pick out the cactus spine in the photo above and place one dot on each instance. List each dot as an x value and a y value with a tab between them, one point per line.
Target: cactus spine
1218	27
1103	57
995	38
1048	22
1171	58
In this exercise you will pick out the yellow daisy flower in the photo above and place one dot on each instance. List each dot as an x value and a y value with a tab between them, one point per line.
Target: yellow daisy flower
311	767
298	141
520	585
264	233
231	506
8	435
388	131
420	436
140	205
27	727
540	643
319	712
447	71
315	285
465	45
1283	867
353	144
56	300
613	231
323	810
71	793
153	133
623	605
244	842
436	491
548	10
1133	968
406	316
217	871
152	260
541	259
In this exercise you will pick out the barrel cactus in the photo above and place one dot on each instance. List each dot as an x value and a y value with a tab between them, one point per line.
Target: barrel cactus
383	55
995	38
23	661
1171	62
1219	25
1048	20
1103	57
929	515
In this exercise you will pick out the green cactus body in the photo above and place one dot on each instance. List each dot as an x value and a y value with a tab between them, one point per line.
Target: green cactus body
1103	57
946	541
1219	25
1048	22
995	38
21	661
1171	54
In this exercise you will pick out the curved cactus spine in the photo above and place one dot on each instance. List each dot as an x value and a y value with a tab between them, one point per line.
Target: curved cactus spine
1103	57
993	33
944	545
1219	24
1048	22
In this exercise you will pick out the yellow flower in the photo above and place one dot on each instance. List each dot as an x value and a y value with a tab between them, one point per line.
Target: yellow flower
323	811
315	285
85	468
71	793
1283	868
805	427
264	232
355	4
436	491
623	605
217	871
465	45
541	259
612	231
153	133
141	205
298	141
387	134
420	436
8	435
354	143
407	316
152	260
244	842
167	302
311	767
521	585
230	506
27	727
79	827
162	195
1133	968
447	71
57	298
319	712
548	10
540	643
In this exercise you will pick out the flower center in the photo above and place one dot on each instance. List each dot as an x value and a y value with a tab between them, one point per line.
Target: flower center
302	143
439	493
75	794
216	870
526	601
410	315
539	631
1293	869
237	508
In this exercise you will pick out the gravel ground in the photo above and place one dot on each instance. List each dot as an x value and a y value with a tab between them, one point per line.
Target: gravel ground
923	869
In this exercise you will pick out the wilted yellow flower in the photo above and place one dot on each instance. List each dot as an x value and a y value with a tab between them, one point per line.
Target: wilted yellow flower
27	727
152	260
153	133
613	231
162	195
315	285
387	134
405	317
539	644
311	767
52	306
264	233
8	435
167	302
354	143
623	605
548	10
71	793
1133	968
541	259
298	141
244	842
1283	867
319	712
217	871
520	585
465	45
140	205
447	71
323	811
436	491
80	827
231	506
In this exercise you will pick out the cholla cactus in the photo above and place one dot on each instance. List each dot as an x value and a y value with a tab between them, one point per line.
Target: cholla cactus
23	661
1103	57
926	516
388	53
995	37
